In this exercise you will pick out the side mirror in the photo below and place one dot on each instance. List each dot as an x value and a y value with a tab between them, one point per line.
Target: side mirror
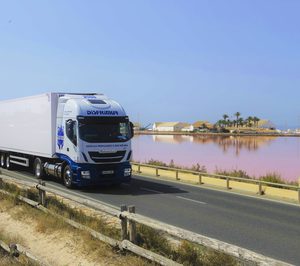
71	131
131	129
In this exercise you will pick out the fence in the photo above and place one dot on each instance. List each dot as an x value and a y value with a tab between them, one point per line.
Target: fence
259	183
16	249
128	220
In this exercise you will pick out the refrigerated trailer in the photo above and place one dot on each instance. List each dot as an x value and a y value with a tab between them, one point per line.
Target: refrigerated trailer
84	139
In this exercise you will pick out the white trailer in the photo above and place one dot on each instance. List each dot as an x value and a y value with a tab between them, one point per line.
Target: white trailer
82	138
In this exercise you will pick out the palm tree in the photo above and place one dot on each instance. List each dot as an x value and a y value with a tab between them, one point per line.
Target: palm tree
225	117
237	115
249	121
221	123
234	122
240	121
256	120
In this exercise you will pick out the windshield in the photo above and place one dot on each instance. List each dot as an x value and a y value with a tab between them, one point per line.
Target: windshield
105	132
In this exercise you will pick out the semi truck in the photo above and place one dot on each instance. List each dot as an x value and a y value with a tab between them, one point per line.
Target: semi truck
82	138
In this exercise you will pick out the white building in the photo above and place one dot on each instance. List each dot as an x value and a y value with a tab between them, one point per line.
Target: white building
188	128
171	126
266	124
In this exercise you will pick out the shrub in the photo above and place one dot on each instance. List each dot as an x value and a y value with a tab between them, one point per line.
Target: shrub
156	162
273	178
150	239
199	168
233	173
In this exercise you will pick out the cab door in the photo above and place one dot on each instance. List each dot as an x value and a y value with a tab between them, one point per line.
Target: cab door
71	144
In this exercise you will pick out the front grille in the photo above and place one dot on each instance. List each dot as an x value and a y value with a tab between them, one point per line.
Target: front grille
111	157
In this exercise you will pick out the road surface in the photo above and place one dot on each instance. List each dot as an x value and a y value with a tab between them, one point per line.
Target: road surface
266	227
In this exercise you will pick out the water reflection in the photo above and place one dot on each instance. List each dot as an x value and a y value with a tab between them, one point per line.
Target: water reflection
253	154
225	143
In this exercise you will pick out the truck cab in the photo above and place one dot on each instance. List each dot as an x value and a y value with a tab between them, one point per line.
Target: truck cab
93	141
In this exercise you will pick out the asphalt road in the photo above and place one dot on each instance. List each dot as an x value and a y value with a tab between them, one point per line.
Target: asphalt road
266	227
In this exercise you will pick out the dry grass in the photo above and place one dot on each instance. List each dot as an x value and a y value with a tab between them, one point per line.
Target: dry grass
5	259
47	224
96	223
95	249
186	253
6	203
11	238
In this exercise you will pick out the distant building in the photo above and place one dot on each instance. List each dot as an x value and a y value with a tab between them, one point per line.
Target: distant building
201	124
136	126
266	124
187	128
171	126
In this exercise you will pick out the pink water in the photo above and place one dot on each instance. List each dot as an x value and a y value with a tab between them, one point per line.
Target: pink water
255	155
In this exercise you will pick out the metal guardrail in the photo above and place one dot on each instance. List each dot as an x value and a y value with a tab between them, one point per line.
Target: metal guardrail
128	219
124	244
260	183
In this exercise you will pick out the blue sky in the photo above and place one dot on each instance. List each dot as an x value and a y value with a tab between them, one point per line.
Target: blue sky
162	60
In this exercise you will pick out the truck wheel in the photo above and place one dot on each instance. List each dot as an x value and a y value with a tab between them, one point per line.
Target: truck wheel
2	160
38	168
68	176
7	163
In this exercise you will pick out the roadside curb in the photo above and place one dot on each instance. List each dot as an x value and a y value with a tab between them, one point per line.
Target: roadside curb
220	189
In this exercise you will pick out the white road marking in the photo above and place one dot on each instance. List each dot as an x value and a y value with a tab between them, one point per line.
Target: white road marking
196	201
152	190
220	190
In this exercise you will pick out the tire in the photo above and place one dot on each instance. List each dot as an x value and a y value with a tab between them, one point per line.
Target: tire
38	168
8	165
2	160
68	177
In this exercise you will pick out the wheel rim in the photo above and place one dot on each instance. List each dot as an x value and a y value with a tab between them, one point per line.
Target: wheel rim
68	177
38	170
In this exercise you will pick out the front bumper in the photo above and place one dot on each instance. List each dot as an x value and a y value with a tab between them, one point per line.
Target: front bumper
101	174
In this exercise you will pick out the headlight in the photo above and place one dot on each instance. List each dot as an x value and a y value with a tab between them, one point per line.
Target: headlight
86	174
127	171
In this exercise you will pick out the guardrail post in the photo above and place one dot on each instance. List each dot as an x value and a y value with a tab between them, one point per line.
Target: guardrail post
42	193
177	172
156	171
13	250
139	169
123	223
132	226
227	183
200	179
260	191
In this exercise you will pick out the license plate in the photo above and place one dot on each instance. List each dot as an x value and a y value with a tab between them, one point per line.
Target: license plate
108	172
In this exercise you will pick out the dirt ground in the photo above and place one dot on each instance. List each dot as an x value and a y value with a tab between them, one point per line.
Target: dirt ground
65	246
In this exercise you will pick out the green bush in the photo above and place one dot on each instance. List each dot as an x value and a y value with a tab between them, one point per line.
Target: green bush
188	254
150	239
233	173
273	178
156	163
